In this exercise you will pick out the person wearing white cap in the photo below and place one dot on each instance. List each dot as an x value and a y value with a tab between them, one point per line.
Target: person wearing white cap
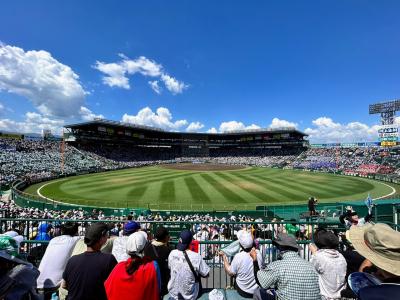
136	278
242	265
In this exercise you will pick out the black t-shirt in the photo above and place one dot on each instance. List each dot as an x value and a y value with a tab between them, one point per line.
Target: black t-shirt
85	275
353	259
160	255
311	205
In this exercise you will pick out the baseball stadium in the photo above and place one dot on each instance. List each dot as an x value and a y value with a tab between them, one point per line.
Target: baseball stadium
201	171
199	150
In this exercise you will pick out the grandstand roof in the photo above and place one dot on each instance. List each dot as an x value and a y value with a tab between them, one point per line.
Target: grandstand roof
103	122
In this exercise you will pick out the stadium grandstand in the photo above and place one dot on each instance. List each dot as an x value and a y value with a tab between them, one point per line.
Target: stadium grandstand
155	143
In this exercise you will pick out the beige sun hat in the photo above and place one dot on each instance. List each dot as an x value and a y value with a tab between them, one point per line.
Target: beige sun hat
378	243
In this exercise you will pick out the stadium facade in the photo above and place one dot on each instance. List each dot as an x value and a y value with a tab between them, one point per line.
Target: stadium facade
103	133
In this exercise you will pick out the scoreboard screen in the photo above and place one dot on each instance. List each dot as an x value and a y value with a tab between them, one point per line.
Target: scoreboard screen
384	107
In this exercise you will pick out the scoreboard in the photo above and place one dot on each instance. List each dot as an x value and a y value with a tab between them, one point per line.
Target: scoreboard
389	135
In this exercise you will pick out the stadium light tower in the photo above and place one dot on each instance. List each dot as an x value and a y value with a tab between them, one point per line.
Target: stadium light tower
387	111
388	133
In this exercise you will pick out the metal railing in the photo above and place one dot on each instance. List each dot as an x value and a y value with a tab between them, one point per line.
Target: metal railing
211	239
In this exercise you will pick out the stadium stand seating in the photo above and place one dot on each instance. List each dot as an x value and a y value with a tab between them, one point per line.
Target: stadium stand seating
40	160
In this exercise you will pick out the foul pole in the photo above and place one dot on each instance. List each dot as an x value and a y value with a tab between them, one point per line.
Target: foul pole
62	150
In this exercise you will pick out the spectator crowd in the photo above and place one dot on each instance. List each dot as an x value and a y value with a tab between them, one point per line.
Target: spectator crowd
102	262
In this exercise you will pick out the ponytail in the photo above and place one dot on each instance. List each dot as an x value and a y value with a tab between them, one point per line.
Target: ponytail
135	263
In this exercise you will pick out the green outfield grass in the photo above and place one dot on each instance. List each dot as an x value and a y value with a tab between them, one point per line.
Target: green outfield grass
158	187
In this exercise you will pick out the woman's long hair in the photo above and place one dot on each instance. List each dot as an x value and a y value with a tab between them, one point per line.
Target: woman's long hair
135	263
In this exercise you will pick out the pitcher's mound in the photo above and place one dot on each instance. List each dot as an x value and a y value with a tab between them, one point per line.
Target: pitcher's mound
203	167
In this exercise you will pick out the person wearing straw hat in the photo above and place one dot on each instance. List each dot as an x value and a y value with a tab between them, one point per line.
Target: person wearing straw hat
354	261
380	244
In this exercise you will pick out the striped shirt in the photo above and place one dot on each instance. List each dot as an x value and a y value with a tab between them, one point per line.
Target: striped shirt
292	277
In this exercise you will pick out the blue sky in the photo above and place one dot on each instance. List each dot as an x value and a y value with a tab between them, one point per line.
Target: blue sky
200	65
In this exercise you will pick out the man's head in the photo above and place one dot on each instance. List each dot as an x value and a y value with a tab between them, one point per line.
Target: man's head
285	242
69	228
96	235
161	234
378	243
352	216
185	238
326	239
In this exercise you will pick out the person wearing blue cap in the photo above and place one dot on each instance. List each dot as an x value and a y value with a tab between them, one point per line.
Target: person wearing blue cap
119	244
187	268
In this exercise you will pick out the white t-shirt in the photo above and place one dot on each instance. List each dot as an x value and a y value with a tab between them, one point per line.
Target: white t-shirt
182	280
331	267
54	260
119	248
242	267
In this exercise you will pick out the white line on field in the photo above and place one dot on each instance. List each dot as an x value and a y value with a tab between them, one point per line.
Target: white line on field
390	194
40	194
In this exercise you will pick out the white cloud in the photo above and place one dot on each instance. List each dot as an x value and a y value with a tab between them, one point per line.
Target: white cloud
88	115
325	122
253	127
194	126
212	130
325	130
278	123
51	86
141	65
161	118
173	85
155	87
33	123
236	126
231	126
116	74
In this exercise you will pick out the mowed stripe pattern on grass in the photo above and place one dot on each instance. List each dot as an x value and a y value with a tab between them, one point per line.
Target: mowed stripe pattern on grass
139	187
